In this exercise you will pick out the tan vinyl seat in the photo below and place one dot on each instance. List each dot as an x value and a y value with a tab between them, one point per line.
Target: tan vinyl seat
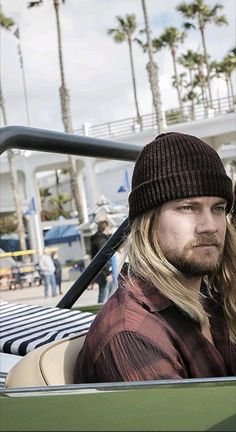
50	364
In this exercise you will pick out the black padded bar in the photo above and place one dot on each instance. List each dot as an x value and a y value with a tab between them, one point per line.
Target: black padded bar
27	138
94	267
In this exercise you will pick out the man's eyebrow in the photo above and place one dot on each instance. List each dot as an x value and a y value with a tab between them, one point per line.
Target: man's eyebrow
196	201
187	200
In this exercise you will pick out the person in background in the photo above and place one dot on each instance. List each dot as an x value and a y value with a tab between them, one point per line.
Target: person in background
173	315
58	271
104	278
48	272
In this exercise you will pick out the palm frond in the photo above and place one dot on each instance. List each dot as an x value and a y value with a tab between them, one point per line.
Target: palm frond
220	20
188	25
34	3
6	22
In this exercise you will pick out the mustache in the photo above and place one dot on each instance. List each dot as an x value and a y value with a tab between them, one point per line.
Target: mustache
206	241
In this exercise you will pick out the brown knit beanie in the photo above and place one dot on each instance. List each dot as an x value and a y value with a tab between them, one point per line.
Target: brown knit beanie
175	166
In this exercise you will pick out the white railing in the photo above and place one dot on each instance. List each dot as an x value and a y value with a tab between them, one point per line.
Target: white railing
129	125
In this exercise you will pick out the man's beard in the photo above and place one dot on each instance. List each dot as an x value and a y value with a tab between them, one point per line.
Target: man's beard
194	260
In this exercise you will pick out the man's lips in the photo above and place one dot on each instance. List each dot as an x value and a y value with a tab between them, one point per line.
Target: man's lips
207	245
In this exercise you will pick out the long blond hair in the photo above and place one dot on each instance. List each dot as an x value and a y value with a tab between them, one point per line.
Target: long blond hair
148	262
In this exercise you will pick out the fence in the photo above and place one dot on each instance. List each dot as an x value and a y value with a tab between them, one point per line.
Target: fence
190	112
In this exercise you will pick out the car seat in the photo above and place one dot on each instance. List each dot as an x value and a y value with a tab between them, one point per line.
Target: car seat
50	364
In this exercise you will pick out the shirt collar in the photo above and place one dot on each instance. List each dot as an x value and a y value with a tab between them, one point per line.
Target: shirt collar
144	292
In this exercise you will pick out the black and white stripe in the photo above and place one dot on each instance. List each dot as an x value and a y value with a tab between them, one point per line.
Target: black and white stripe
25	327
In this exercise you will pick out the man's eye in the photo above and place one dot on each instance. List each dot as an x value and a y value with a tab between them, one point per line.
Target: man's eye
186	208
220	209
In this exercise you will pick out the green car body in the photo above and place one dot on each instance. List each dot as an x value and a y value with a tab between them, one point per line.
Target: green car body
188	405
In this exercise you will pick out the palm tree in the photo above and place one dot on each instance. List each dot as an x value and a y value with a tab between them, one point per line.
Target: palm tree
58	174
193	61
190	94
225	69
170	38
124	32
7	23
188	60
201	12
199	81
192	97
182	83
65	108
229	64
60	200
44	193
153	74
216	72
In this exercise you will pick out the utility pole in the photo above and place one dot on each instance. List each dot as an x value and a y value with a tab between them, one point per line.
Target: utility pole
17	35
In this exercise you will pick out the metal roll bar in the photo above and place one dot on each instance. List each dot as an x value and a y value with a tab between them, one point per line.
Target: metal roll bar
26	138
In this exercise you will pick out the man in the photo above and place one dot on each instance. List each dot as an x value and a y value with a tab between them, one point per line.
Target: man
174	312
48	272
58	271
104	279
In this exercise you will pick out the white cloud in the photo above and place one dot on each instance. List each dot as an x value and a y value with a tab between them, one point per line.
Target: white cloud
97	70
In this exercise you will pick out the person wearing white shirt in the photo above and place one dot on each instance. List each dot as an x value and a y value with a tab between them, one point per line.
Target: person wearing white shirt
48	272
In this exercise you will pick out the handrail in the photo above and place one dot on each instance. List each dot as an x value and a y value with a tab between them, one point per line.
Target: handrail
26	138
127	126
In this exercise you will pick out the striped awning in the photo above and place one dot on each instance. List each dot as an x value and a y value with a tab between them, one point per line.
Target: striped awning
26	327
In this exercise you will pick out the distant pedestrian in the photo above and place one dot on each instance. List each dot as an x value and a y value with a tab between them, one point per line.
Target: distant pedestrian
48	272
58	271
104	278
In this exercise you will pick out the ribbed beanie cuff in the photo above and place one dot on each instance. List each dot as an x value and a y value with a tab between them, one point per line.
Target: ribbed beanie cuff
176	166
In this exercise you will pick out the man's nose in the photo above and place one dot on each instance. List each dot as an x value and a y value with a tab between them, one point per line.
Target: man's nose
206	223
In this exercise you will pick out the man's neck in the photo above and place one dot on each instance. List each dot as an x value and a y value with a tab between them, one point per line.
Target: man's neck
192	283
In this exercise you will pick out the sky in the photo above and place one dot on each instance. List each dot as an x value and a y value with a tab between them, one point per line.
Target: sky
97	70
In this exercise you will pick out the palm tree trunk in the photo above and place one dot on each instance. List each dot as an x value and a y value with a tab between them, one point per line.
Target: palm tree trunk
139	118
57	183
66	117
190	77
153	74
177	82
192	110
192	102
202	85
201	28
231	87
14	182
228	91
16	197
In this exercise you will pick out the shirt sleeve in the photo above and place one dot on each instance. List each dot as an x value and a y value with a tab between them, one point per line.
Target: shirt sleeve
130	356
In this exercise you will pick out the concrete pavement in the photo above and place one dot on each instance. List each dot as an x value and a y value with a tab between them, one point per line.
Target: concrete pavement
35	295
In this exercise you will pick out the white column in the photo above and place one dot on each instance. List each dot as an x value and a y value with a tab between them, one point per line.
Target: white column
91	183
90	178
86	128
82	194
35	233
34	219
